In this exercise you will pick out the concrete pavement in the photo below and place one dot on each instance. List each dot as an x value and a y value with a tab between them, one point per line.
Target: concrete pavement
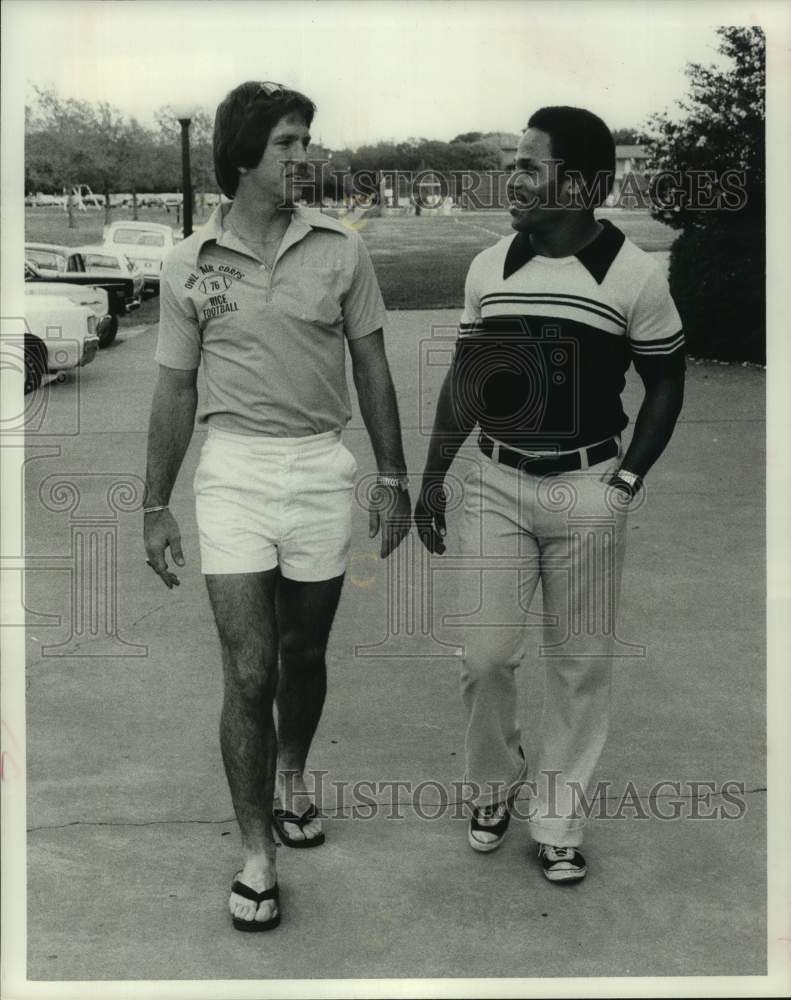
132	842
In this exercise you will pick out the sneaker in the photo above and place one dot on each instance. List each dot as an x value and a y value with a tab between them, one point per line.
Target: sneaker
562	864
488	826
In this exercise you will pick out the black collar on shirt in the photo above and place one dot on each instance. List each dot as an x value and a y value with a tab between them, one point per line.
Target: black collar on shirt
597	256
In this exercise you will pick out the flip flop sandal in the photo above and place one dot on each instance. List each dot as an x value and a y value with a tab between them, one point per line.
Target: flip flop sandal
282	816
256	897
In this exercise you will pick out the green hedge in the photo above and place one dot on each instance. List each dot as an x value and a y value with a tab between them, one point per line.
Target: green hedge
718	282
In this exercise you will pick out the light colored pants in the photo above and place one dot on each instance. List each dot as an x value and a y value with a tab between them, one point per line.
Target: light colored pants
569	532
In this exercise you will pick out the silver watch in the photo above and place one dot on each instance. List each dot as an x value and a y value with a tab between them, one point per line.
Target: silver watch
630	478
401	483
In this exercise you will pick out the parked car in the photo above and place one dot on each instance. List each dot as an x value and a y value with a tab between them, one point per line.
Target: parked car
60	263
36	361
67	331
145	243
39	200
96	299
102	260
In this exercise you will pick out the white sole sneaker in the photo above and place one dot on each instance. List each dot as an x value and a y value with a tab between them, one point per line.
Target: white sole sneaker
499	829
562	864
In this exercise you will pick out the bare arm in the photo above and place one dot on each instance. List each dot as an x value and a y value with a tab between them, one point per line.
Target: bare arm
378	404
655	423
451	429
379	408
169	433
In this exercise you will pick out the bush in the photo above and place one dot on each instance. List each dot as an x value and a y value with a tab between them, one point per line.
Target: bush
718	282
718	264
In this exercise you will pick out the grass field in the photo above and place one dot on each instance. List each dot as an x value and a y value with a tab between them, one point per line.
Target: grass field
420	262
51	225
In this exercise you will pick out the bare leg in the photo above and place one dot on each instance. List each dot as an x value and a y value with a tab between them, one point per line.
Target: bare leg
244	610
305	612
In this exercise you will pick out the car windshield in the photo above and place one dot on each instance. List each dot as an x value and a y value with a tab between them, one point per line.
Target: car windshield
136	237
95	261
47	260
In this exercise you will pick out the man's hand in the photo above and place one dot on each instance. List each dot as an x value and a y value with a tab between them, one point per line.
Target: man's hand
391	509
160	531
430	513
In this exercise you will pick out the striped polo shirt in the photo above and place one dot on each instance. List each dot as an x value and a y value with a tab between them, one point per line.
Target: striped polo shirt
545	342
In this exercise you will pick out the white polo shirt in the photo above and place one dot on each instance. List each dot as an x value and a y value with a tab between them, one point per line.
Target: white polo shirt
272	343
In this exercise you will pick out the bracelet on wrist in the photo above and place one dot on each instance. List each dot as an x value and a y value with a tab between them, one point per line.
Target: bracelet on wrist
153	510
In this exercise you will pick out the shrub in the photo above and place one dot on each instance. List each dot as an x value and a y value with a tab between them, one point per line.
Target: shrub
718	282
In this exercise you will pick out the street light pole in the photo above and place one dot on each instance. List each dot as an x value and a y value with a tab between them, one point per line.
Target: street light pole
186	178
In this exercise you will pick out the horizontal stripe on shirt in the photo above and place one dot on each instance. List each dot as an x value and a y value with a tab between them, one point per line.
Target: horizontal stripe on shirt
650	347
557	297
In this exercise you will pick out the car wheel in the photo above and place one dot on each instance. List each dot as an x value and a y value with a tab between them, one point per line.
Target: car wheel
35	361
107	331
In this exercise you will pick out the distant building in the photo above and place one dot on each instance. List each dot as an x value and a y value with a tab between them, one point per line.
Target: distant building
629	160
507	141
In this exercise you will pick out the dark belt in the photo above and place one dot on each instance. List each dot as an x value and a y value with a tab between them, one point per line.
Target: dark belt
549	466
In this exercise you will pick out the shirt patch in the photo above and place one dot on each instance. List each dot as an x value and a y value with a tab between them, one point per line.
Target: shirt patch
213	279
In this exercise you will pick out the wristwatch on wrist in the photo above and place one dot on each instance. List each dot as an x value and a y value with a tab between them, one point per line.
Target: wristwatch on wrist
629	479
401	483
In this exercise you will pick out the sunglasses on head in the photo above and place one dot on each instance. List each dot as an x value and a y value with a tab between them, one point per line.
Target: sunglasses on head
270	89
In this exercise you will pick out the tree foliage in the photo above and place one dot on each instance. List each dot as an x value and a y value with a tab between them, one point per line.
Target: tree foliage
70	142
722	128
718	263
468	137
629	137
416	154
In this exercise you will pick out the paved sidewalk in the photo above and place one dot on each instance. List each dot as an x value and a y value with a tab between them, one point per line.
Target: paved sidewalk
132	843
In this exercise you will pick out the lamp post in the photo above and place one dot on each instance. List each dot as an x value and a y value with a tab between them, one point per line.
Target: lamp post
184	113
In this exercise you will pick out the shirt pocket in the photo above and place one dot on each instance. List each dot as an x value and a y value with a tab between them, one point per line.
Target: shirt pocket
314	295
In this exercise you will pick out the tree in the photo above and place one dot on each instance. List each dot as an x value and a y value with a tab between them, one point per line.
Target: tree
468	137
629	137
104	135
59	137
710	182
136	158
71	142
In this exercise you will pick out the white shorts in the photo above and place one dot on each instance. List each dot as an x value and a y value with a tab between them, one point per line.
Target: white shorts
263	502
